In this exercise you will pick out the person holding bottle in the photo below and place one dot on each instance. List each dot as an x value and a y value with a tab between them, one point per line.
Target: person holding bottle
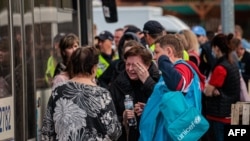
129	105
137	80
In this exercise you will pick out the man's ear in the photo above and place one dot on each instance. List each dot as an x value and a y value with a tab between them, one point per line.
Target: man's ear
169	51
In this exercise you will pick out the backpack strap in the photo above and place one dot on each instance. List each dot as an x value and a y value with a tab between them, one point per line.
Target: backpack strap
193	95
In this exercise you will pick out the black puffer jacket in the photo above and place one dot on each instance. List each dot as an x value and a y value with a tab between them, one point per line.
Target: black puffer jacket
139	91
220	106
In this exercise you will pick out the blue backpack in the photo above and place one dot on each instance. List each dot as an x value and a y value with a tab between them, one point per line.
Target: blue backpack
151	119
168	114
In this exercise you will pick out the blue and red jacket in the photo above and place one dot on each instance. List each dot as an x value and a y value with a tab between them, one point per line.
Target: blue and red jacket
179	74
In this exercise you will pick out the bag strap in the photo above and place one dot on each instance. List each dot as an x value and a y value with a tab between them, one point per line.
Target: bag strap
193	85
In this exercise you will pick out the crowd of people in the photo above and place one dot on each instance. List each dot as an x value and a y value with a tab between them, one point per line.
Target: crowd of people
89	84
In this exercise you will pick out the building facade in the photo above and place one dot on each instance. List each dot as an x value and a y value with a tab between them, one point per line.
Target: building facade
203	12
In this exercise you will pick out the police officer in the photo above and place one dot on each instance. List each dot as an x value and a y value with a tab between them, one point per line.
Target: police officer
105	42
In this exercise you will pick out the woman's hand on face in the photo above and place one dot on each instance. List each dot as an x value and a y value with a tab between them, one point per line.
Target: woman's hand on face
141	71
139	106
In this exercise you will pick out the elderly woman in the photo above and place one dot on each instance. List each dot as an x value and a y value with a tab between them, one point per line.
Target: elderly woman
137	80
78	109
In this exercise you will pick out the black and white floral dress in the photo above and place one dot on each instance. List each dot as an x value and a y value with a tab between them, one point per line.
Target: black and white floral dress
79	112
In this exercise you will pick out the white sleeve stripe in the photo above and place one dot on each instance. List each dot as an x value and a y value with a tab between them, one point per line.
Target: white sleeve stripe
184	84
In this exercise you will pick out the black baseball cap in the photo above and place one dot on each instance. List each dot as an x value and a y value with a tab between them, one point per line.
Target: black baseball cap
152	27
104	35
133	29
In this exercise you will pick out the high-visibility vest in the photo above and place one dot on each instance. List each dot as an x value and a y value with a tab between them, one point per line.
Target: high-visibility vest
116	56
51	66
152	47
185	55
103	65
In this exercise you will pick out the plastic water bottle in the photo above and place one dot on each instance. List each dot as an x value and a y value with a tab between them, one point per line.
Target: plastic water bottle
129	105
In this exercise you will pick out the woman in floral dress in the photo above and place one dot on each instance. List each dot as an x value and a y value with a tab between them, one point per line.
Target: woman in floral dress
79	110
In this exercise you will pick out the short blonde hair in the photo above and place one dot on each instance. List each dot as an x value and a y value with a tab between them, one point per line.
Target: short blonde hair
192	41
175	41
